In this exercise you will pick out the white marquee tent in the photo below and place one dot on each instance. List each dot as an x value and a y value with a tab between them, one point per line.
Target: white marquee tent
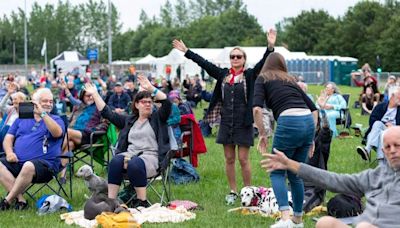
68	60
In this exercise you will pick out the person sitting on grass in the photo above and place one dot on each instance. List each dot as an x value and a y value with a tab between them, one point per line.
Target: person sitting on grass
32	148
380	185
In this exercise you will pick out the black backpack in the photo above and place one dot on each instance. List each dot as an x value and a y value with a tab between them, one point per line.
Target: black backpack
343	205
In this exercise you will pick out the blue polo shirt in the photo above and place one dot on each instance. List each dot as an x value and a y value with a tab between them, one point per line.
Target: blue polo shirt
29	141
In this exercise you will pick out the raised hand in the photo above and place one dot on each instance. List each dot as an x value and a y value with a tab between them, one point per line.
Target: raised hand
38	109
178	44
271	38
11	88
145	83
90	89
275	161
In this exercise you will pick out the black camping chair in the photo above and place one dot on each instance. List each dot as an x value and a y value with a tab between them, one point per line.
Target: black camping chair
60	181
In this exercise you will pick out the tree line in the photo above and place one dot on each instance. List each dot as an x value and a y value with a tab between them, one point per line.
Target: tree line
367	30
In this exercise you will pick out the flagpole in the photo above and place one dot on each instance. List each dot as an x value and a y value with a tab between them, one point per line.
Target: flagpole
45	59
25	41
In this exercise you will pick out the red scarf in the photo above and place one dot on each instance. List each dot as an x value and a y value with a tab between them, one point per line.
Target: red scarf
234	74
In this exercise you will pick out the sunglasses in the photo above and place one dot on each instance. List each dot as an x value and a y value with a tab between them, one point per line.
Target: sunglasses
236	56
144	102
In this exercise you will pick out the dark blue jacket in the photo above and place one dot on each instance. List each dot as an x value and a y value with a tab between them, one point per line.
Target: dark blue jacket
158	121
378	113
120	101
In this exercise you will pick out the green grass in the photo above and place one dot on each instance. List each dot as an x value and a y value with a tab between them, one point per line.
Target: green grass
211	190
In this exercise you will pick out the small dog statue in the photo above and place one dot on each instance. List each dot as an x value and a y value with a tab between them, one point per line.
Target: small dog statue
95	183
99	201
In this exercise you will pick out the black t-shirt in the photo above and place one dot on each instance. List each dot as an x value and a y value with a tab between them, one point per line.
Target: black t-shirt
280	95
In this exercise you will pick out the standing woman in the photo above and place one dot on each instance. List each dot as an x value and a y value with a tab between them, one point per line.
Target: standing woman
296	117
233	100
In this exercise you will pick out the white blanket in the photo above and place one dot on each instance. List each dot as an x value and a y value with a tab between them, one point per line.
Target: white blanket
154	214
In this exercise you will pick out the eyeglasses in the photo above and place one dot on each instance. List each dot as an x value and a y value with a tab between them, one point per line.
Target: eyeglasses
236	56
145	102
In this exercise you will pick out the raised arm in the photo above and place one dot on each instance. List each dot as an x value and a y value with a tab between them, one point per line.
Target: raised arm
115	118
271	38
165	109
342	183
210	68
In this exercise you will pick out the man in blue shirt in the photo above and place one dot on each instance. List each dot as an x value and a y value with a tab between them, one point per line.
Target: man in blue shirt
32	148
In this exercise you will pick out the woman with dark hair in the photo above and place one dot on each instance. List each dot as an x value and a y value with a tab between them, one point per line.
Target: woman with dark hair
296	117
232	100
143	139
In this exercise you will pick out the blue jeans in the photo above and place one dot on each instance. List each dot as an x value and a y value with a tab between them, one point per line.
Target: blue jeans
374	139
293	136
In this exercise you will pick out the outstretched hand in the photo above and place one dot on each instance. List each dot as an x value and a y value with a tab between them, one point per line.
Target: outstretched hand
271	38
90	89
178	44
145	83
275	161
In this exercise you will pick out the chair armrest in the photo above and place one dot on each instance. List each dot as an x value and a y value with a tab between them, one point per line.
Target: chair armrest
96	133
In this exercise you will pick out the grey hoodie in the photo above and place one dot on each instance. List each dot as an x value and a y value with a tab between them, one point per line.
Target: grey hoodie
381	187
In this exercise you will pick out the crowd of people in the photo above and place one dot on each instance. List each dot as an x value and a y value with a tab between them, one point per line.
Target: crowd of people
144	110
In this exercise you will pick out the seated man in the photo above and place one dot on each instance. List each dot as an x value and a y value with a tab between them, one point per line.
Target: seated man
384	115
32	148
380	185
119	100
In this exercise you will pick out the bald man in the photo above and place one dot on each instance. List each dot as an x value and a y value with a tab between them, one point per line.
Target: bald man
381	186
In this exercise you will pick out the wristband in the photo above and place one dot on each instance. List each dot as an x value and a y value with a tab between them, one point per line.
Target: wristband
43	114
155	91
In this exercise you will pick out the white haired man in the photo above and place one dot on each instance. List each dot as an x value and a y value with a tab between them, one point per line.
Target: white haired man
32	148
384	115
380	185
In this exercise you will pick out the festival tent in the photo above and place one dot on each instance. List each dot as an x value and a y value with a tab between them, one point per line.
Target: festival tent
176	58
148	59
68	60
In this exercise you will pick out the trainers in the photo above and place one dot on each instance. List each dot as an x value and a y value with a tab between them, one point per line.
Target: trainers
141	203
4	205
231	198
284	224
363	153
19	206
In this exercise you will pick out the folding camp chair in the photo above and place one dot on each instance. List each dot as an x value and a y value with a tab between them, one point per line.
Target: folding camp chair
163	173
344	118
59	180
99	150
185	147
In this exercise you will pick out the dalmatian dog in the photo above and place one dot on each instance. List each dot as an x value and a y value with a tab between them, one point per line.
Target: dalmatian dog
261	197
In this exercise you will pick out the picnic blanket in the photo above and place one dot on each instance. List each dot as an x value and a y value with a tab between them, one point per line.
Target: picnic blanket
154	214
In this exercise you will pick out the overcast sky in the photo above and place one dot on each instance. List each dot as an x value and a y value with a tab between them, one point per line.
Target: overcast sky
267	12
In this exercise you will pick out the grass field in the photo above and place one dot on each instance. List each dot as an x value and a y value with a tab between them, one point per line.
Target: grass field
210	191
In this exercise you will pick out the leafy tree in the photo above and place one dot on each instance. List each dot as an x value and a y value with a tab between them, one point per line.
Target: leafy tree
303	32
360	29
